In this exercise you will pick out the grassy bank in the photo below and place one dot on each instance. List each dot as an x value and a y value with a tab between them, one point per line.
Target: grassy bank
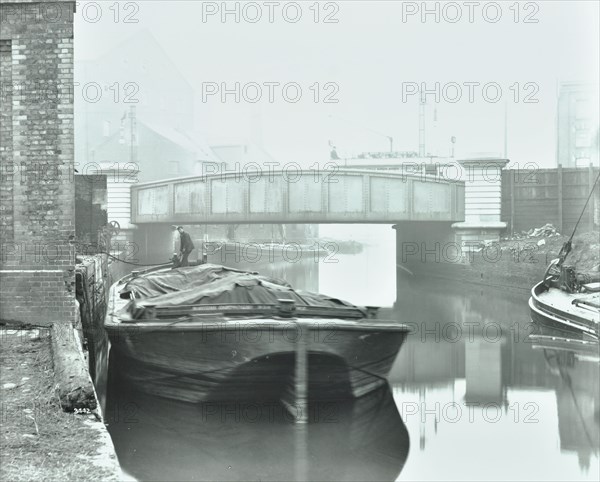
39	440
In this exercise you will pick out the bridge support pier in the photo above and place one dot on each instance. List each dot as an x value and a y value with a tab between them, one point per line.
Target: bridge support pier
424	242
156	243
438	246
483	201
419	243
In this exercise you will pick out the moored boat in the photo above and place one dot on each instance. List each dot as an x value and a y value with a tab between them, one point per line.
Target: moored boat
565	299
574	348
565	311
214	333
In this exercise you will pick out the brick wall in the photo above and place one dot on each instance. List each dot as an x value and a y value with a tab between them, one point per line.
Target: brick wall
37	263
6	185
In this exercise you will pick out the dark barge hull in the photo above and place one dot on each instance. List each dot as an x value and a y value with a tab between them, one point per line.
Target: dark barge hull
254	359
213	355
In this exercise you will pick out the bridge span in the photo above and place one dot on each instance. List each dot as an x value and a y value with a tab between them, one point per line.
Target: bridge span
311	196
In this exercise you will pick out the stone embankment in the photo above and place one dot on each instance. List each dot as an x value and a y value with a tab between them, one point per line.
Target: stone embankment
51	414
39	439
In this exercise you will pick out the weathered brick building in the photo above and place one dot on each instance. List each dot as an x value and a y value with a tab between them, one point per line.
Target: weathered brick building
36	154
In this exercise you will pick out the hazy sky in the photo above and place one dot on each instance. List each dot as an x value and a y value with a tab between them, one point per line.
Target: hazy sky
370	55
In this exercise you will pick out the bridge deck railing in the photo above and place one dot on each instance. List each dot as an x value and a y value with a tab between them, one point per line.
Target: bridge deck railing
299	196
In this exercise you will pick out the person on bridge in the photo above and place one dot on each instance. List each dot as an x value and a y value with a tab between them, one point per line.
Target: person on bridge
334	155
186	246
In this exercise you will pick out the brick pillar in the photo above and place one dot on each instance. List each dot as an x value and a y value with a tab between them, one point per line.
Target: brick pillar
37	186
6	151
483	202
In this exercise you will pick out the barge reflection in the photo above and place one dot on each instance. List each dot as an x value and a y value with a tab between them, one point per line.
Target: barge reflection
158	439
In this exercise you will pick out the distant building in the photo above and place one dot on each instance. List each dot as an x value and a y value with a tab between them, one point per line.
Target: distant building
233	157
243	153
90	207
577	124
135	73
135	112
158	150
407	163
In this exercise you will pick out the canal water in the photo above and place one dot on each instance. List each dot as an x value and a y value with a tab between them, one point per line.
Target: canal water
472	396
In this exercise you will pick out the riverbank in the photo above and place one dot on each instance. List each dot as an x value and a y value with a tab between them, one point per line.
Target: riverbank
511	264
39	440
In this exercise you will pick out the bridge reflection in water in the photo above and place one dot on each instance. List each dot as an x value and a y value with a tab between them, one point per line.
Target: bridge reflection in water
477	382
474	393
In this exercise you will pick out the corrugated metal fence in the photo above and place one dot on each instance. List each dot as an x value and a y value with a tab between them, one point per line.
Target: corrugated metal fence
534	197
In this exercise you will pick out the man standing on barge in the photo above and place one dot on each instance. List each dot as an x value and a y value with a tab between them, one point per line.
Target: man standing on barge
186	246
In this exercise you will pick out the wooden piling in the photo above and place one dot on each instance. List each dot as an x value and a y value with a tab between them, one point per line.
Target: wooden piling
301	376
591	179
72	380
559	182
512	201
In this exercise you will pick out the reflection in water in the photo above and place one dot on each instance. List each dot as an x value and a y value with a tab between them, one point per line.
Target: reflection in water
574	365
481	398
475	369
156	439
302	274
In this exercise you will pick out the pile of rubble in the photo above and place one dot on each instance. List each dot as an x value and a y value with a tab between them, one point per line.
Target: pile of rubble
546	231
